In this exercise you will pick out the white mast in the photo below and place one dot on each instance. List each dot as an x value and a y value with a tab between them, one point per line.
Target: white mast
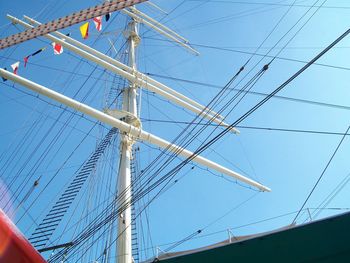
124	249
126	120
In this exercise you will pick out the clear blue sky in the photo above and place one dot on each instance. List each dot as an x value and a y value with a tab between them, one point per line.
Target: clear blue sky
288	162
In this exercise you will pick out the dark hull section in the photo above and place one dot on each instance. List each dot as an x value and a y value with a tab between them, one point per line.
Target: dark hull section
326	240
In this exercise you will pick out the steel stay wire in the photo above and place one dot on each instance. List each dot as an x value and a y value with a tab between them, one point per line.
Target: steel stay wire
249	224
179	135
311	102
260	128
191	236
275	91
268	3
269	35
55	139
263	101
126	205
322	174
158	158
107	219
213	100
244	116
331	196
187	143
64	109
282	36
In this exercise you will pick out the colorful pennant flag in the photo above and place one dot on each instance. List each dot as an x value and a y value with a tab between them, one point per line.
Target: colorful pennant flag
38	51
31	55
57	48
15	67
26	60
98	23
3	79
84	30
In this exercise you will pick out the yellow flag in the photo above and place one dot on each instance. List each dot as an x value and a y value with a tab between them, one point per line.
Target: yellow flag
84	30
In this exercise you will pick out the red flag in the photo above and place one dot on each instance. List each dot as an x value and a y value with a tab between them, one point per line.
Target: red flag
32	55
57	48
15	67
98	23
26	60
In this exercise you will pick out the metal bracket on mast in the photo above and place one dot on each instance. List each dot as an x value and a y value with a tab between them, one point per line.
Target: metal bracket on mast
134	35
124	116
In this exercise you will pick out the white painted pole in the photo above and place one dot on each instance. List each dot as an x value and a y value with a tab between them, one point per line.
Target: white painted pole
124	243
160	25
156	7
124	250
124	127
120	65
160	31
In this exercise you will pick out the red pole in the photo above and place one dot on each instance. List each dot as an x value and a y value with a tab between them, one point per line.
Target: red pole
14	247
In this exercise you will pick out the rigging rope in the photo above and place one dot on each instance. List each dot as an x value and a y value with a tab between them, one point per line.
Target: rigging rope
322	174
202	148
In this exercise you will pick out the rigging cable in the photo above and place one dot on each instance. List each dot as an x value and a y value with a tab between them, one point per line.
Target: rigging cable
311	102
210	224
269	4
261	44
245	13
249	224
257	128
248	113
55	139
283	85
331	196
322	174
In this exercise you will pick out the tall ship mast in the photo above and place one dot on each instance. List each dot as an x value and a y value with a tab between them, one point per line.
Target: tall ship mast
96	214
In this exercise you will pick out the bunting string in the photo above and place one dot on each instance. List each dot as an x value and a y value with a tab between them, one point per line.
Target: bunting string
57	48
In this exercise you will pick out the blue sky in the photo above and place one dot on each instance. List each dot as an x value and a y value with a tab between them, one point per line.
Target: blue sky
287	162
